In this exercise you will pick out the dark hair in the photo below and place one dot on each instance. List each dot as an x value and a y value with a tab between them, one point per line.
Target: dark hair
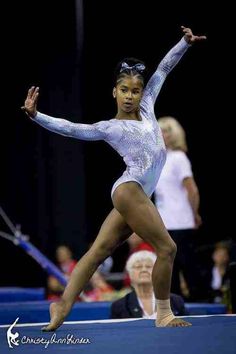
132	67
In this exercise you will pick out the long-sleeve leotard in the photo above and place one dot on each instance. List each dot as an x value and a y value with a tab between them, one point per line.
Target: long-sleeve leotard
140	143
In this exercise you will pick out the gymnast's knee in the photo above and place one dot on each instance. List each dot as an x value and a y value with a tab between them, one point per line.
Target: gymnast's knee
167	251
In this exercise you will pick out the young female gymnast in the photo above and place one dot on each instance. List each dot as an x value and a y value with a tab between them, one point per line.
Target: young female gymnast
135	134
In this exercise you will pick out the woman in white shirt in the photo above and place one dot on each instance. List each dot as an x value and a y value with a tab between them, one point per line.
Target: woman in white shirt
177	200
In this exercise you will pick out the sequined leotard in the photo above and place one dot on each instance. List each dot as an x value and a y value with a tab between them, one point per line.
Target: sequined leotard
140	143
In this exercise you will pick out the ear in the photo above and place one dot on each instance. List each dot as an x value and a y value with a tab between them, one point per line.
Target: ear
114	92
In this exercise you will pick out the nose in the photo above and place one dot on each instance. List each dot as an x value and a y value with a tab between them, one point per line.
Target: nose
128	95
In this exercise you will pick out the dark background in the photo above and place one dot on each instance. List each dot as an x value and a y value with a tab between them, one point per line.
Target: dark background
57	188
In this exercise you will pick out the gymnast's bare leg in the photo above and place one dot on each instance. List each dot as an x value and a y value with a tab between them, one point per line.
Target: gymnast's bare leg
133	208
113	232
143	218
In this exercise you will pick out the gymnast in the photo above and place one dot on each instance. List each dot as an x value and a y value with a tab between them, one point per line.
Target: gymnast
135	134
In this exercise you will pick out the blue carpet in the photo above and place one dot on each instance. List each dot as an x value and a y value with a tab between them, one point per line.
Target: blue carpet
211	334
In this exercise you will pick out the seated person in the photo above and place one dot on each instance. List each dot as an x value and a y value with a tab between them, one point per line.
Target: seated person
136	244
219	272
140	302
66	263
98	289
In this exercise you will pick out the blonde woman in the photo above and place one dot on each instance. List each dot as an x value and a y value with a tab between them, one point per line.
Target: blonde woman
177	200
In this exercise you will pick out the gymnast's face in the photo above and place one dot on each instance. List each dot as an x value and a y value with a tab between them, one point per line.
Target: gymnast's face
128	93
141	272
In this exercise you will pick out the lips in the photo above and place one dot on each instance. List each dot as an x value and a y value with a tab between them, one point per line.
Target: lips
127	104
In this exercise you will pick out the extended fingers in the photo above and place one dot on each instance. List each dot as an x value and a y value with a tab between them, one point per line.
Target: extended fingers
189	32
186	30
35	94
30	92
199	38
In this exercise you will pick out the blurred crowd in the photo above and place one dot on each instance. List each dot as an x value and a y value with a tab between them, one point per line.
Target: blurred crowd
134	282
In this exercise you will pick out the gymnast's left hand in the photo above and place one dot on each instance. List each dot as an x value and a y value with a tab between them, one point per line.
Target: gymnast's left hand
190	37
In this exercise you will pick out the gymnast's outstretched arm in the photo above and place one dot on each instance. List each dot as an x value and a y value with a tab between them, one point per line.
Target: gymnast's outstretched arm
96	131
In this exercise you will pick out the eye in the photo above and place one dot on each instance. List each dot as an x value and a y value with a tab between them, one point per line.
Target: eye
149	267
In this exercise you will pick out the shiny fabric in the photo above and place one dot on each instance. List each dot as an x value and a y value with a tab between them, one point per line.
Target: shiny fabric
140	143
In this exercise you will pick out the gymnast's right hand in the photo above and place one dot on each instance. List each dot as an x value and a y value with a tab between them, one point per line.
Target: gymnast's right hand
30	105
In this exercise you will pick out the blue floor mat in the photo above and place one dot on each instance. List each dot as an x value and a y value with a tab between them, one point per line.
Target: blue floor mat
208	334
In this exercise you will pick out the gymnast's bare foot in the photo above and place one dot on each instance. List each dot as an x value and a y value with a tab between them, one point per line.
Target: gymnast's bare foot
58	313
175	322
178	322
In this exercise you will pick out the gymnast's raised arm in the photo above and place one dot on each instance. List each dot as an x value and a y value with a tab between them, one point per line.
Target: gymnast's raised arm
170	60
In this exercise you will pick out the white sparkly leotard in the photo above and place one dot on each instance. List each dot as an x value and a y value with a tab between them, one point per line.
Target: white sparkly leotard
140	143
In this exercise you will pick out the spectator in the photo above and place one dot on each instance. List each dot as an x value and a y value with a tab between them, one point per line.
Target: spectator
99	290
140	302
136	244
177	200
219	272
66	263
